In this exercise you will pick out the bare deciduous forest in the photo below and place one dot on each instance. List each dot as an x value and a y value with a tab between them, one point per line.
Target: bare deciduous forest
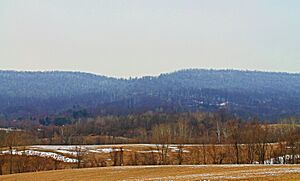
151	139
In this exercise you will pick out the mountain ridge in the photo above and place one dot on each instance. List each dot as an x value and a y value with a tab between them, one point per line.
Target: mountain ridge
153	76
261	94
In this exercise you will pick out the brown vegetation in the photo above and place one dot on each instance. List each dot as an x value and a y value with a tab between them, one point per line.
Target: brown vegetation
229	172
200	138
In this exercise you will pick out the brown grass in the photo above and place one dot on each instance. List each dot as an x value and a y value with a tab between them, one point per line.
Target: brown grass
200	172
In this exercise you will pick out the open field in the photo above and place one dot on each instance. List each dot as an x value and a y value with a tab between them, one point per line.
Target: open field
55	157
195	172
141	162
67	153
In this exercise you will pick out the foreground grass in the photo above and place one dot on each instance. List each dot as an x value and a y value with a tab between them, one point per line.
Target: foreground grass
189	172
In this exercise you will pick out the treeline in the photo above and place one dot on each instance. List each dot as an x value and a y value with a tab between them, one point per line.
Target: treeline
217	138
188	128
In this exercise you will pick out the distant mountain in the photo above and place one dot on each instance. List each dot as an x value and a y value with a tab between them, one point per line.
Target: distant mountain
247	94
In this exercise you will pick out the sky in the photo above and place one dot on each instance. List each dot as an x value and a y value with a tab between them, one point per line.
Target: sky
123	38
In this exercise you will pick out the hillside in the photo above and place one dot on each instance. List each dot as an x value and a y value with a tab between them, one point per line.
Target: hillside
244	93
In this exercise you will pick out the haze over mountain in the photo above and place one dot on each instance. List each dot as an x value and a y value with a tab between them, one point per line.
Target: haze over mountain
266	95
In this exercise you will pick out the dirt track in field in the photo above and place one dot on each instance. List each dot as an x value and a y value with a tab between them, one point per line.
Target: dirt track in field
197	172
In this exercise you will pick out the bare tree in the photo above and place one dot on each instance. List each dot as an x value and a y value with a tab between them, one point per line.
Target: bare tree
121	156
235	128
66	134
11	140
292	142
218	131
261	141
250	152
204	153
117	156
150	158
80	154
249	135
133	158
182	138
114	156
161	136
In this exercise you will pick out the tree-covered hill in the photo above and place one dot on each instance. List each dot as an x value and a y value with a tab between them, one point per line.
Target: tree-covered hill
243	93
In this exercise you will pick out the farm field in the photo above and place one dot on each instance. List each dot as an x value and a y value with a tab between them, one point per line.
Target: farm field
67	156
105	153
187	172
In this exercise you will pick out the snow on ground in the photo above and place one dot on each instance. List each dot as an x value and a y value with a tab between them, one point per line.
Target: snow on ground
63	147
281	159
149	151
66	152
9	129
41	154
176	149
71	149
107	150
61	152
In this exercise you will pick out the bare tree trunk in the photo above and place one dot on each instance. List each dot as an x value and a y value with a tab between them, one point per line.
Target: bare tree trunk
204	153
218	133
117	157
237	152
1	165
261	152
114	157
163	152
213	153
180	154
250	152
10	160
121	156
79	155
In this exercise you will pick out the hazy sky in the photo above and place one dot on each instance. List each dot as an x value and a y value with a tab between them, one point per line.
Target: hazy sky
147	37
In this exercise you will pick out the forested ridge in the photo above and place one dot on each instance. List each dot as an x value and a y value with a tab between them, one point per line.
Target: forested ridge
246	94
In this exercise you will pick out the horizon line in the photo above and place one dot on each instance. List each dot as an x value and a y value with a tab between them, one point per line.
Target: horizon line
154	75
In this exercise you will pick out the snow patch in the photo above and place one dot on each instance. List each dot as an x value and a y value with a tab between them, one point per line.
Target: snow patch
41	154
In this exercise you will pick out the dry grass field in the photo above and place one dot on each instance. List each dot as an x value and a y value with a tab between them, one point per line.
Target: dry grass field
195	172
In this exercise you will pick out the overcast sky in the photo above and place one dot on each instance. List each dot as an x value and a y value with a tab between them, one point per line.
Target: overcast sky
125	38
